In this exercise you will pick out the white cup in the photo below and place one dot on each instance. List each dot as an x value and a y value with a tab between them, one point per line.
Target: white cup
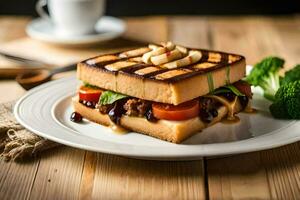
72	17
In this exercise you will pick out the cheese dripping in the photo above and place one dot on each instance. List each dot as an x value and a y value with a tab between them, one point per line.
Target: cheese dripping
229	105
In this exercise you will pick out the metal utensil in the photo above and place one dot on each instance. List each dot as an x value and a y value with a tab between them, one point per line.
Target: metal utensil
26	61
34	78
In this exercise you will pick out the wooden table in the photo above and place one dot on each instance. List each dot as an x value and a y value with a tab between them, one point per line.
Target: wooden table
68	173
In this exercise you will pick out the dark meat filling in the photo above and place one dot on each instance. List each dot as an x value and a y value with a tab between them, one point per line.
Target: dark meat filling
136	107
208	109
116	112
104	109
131	107
244	101
142	108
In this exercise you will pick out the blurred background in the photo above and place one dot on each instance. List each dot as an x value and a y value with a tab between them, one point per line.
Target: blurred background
171	7
253	28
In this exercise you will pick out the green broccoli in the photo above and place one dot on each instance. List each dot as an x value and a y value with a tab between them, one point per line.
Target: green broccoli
291	75
279	111
287	101
266	75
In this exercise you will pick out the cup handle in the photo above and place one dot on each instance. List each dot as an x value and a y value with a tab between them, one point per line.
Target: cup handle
39	7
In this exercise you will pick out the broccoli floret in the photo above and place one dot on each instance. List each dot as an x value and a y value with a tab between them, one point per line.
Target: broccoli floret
292	75
292	97
266	75
279	111
287	101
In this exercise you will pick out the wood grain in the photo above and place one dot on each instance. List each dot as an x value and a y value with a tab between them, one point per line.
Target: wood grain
116	177
88	175
16	179
149	29
67	173
190	31
289	34
70	173
56	56
124	178
14	41
272	174
58	175
238	177
282	167
12	27
11	90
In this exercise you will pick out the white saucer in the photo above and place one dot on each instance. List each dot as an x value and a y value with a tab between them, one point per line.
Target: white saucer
107	28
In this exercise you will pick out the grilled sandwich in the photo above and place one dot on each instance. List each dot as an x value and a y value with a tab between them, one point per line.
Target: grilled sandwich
166	91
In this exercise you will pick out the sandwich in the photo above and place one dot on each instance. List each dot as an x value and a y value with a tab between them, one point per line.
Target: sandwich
165	90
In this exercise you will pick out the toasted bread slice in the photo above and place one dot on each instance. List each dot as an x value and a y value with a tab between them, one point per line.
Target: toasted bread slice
172	131
126	73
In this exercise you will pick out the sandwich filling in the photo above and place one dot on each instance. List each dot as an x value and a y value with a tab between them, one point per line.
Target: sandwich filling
163	90
115	105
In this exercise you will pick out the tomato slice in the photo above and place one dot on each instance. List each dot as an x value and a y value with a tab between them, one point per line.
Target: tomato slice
89	94
244	88
180	112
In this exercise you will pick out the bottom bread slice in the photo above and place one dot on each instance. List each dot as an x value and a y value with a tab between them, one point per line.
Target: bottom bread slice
172	131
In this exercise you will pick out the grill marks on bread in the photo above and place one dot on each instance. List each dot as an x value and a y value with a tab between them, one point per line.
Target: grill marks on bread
131	63
172	73
119	65
147	70
204	65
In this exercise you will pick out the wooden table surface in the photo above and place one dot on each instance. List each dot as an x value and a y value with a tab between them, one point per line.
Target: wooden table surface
68	173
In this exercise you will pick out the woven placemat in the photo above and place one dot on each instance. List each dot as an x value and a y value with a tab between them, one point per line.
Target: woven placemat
17	143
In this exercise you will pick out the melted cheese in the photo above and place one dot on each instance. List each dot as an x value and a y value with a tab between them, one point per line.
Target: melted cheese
118	129
229	105
249	108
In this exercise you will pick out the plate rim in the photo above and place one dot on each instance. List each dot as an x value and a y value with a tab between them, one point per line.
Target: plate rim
169	156
78	40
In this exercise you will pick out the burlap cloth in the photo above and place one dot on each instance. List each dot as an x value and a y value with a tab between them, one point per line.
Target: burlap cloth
17	143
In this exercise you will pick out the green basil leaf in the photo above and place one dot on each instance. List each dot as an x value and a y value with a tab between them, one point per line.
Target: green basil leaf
109	97
221	90
234	90
89	85
228	88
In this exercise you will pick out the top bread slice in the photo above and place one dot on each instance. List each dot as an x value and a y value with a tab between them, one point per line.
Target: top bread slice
131	76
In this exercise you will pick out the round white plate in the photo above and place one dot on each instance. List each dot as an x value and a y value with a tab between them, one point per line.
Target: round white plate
46	110
107	28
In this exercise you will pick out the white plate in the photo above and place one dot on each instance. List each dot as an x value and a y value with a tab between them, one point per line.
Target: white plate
46	110
107	28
